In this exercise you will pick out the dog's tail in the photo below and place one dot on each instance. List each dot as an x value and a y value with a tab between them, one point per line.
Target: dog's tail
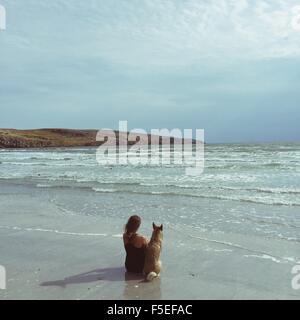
152	275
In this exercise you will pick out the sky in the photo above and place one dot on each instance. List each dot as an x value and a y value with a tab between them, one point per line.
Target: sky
230	67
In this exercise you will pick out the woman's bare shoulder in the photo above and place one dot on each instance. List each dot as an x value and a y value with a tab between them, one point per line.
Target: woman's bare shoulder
141	240
138	240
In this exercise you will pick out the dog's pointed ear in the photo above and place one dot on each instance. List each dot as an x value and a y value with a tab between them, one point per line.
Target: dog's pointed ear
154	226
161	227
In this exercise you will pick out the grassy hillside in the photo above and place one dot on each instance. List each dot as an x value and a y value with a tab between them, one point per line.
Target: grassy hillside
43	138
11	138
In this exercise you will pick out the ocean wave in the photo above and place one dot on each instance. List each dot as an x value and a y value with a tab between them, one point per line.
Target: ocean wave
252	165
191	186
285	195
258	190
105	190
25	163
217	197
44	164
258	200
266	190
292	239
52	159
41	185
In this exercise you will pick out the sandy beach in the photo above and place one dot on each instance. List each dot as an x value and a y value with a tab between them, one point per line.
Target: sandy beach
50	253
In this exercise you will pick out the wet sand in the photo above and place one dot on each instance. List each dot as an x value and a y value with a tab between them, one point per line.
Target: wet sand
49	253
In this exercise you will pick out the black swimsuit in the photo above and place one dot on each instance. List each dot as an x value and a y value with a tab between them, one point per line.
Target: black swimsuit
135	257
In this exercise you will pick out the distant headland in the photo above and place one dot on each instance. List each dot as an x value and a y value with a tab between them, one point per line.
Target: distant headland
49	138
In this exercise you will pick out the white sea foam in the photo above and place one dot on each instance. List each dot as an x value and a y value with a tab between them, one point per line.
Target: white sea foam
264	256
16	228
104	190
41	185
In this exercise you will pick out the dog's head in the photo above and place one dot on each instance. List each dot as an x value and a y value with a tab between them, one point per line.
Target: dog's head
157	232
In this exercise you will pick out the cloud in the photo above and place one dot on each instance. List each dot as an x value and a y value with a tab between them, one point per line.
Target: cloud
188	32
162	33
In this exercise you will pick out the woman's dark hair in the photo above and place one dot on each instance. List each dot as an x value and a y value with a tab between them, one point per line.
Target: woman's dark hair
132	224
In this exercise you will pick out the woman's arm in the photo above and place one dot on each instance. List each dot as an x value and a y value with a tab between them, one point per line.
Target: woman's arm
125	239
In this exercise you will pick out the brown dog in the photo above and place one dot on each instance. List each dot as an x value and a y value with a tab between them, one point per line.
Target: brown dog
152	265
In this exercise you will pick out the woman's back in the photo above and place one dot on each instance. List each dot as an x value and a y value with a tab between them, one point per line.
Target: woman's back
135	247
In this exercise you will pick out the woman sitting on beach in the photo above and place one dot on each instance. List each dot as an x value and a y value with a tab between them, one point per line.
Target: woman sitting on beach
135	246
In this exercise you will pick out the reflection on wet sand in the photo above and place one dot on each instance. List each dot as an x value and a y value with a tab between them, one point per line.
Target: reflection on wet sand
136	287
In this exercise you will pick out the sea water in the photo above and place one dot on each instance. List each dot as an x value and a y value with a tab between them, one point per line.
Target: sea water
251	189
